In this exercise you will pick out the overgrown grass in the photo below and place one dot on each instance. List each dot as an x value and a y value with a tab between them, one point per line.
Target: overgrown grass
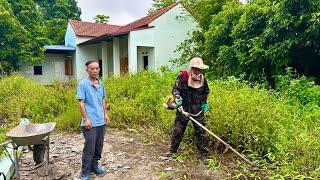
273	128
266	125
21	97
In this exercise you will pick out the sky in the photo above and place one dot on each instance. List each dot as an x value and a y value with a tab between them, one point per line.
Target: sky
120	11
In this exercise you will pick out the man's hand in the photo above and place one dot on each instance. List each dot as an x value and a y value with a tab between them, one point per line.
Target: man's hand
205	107
87	124
107	119
178	100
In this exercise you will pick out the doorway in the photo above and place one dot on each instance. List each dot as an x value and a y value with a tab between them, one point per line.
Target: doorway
124	64
145	62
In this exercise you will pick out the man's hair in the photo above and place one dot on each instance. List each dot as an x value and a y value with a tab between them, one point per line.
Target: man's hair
90	62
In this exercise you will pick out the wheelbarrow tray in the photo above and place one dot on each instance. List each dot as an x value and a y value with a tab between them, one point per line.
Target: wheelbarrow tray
30	134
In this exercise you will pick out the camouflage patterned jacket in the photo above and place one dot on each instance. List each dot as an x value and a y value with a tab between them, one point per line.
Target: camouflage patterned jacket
192	98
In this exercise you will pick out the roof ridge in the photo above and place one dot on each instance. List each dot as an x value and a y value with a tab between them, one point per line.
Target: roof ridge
94	23
91	29
157	14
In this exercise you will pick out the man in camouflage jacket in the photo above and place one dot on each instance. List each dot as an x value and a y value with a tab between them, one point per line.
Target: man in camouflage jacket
191	91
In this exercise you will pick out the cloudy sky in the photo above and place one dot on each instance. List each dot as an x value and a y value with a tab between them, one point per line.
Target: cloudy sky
120	11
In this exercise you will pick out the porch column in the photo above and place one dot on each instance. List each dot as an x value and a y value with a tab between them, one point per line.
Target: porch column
132	56
104	54
116	56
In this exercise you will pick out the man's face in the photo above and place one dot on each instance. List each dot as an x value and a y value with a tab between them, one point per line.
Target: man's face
196	71
93	70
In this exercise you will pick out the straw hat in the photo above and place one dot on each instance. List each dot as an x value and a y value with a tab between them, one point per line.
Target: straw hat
197	62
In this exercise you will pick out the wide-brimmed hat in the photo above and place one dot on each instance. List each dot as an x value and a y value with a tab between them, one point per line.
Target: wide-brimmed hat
197	62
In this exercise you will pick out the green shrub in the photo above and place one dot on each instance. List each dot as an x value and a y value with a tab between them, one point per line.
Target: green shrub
299	90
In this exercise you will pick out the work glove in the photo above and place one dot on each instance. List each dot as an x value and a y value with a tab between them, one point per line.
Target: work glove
205	107
179	101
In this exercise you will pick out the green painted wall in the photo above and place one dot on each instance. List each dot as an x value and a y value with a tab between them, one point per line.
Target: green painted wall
170	30
84	54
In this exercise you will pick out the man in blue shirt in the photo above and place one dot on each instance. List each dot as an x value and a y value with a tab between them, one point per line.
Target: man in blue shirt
91	97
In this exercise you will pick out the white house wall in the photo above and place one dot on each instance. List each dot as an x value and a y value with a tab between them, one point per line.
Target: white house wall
70	37
116	55
74	65
110	58
81	39
48	69
104	58
170	30
84	54
143	37
150	53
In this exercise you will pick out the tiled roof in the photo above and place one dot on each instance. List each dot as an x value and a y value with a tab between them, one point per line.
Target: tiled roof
92	29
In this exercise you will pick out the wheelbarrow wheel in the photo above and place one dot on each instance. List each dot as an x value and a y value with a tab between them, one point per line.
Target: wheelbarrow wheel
38	153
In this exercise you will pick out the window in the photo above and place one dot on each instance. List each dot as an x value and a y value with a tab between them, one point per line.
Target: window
37	70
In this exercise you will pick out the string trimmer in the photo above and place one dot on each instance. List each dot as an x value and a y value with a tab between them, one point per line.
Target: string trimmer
170	104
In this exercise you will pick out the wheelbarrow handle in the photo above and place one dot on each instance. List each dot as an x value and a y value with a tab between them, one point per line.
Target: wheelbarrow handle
5	143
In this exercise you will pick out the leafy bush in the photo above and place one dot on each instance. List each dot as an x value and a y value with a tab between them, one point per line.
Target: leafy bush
300	90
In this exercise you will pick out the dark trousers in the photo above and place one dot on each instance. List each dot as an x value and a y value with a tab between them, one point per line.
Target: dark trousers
92	148
180	125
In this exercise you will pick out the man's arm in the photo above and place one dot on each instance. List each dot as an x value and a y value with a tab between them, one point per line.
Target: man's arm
176	90
86	120
105	112
206	90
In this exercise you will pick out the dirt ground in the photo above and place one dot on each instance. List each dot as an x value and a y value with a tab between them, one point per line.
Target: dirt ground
124	157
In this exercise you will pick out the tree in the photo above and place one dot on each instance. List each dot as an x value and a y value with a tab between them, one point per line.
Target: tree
25	27
159	4
22	34
266	38
100	18
257	40
56	14
203	11
10	38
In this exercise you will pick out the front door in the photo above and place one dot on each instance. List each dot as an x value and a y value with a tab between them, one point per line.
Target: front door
124	63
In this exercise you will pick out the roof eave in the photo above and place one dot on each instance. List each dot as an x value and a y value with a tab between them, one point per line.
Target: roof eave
95	40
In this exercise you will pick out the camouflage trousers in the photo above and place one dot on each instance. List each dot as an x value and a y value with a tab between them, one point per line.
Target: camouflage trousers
180	125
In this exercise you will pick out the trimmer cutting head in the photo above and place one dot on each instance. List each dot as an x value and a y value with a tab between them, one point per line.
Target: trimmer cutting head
170	103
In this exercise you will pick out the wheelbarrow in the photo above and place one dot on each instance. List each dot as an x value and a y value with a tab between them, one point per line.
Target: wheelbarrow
26	135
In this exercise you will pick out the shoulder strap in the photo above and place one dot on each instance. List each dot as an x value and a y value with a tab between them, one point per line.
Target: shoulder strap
185	75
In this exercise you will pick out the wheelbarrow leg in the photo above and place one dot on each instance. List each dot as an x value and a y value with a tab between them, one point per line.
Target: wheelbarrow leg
46	143
16	162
